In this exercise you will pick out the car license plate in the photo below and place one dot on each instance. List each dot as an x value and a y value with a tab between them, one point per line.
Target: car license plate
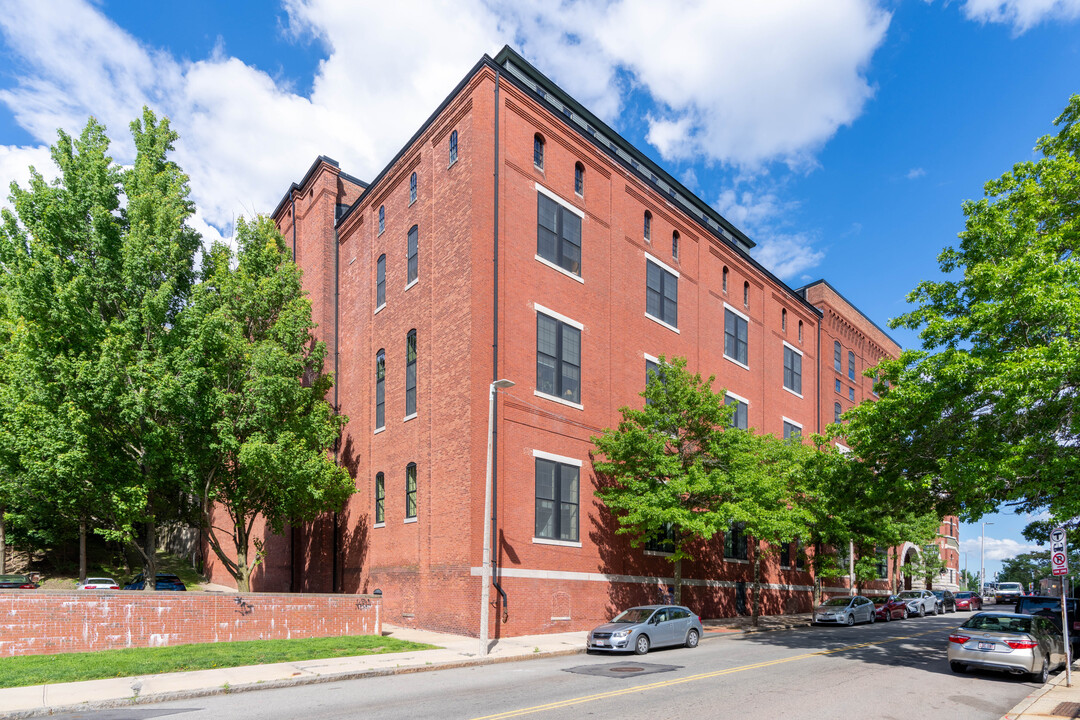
986	646
599	642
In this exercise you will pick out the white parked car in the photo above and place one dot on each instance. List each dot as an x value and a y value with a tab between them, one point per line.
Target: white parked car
920	602
99	583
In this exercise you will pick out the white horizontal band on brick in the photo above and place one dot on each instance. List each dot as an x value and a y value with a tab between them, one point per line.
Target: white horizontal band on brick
558	316
789	421
662	264
740	398
544	191
793	348
744	316
556	458
602	577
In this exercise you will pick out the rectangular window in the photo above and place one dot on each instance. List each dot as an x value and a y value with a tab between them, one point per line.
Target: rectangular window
380	390
735	542
380	498
556	500
791	430
792	370
661	294
651	368
839	387
558	358
410	491
662	541
882	563
558	234
410	374
380	282
851	365
800	556
738	420
851	394
735	337
836	356
785	555
414	267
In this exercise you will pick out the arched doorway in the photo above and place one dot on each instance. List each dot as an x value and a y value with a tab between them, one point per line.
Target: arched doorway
910	554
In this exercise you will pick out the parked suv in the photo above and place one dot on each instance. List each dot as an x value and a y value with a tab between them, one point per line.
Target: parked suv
1049	606
1008	592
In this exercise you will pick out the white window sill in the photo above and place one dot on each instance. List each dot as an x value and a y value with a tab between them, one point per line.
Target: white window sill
560	619
379	430
560	543
744	366
412	283
409	520
798	395
555	398
412	202
658	321
409	417
737	560
382	524
558	268
379	309
658	553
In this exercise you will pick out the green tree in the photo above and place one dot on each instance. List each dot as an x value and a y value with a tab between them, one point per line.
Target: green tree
986	413
264	428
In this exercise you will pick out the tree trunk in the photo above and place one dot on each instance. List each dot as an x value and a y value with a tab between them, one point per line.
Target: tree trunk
678	582
895	584
3	541
82	549
817	590
150	557
755	607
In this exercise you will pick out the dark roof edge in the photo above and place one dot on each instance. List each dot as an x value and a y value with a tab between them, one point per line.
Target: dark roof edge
484	61
307	176
826	283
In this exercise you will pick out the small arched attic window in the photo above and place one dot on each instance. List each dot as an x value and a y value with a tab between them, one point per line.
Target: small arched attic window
648	225
579	179
675	244
538	151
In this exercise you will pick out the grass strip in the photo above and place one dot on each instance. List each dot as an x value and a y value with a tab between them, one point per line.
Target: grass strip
73	667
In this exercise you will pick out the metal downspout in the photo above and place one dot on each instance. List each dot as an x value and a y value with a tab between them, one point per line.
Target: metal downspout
337	409
292	527
495	363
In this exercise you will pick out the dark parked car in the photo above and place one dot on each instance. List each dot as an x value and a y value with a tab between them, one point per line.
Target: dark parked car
890	608
946	601
1049	607
640	628
967	600
17	582
165	581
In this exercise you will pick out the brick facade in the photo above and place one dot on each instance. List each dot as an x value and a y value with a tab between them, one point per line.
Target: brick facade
428	567
45	622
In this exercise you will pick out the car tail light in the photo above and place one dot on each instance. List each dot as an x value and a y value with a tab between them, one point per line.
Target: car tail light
959	639
28	586
1076	625
1021	644
114	587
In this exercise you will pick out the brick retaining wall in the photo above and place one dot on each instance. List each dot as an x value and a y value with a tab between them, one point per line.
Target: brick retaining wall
43	622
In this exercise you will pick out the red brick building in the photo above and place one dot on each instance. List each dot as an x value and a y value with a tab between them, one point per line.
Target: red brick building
517	236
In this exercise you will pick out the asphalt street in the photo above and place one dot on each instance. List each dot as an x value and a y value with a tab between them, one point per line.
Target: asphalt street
885	670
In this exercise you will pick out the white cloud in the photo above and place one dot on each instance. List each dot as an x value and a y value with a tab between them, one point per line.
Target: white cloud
915	173
787	255
1021	14
15	163
765	217
998	549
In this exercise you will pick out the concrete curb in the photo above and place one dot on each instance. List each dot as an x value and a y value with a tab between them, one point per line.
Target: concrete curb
274	684
1023	706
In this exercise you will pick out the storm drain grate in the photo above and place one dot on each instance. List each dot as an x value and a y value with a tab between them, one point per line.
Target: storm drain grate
625	670
1067	709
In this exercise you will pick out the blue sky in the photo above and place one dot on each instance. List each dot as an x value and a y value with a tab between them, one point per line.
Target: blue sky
841	135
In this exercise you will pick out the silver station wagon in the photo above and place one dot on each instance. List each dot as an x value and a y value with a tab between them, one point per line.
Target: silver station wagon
640	628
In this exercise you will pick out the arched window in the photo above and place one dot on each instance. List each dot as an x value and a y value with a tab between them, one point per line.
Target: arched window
410	373
380	498
836	356
648	225
783	320
380	281
675	244
410	491
380	389
382	219
724	286
851	365
412	189
538	151
579	179
413	250
836	412
800	331
453	148
746	294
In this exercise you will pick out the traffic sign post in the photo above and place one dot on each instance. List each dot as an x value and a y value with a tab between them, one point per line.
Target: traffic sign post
1059	565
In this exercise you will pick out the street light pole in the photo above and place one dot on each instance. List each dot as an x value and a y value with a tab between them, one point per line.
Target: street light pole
982	560
485	589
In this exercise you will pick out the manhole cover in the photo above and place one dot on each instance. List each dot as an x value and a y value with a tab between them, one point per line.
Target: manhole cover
622	669
1067	709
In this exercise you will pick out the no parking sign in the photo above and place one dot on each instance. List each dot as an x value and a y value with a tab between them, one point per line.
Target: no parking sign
1059	561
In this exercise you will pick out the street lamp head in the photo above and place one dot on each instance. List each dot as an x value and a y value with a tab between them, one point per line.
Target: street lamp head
503	384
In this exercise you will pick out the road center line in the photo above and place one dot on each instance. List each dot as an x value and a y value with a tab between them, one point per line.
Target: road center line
691	678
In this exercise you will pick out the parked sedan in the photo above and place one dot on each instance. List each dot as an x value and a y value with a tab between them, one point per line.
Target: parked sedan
648	626
165	581
890	608
966	600
920	602
17	582
98	583
1008	642
845	610
946	601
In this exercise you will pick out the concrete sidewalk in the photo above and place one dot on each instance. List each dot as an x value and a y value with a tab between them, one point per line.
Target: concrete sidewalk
1052	701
